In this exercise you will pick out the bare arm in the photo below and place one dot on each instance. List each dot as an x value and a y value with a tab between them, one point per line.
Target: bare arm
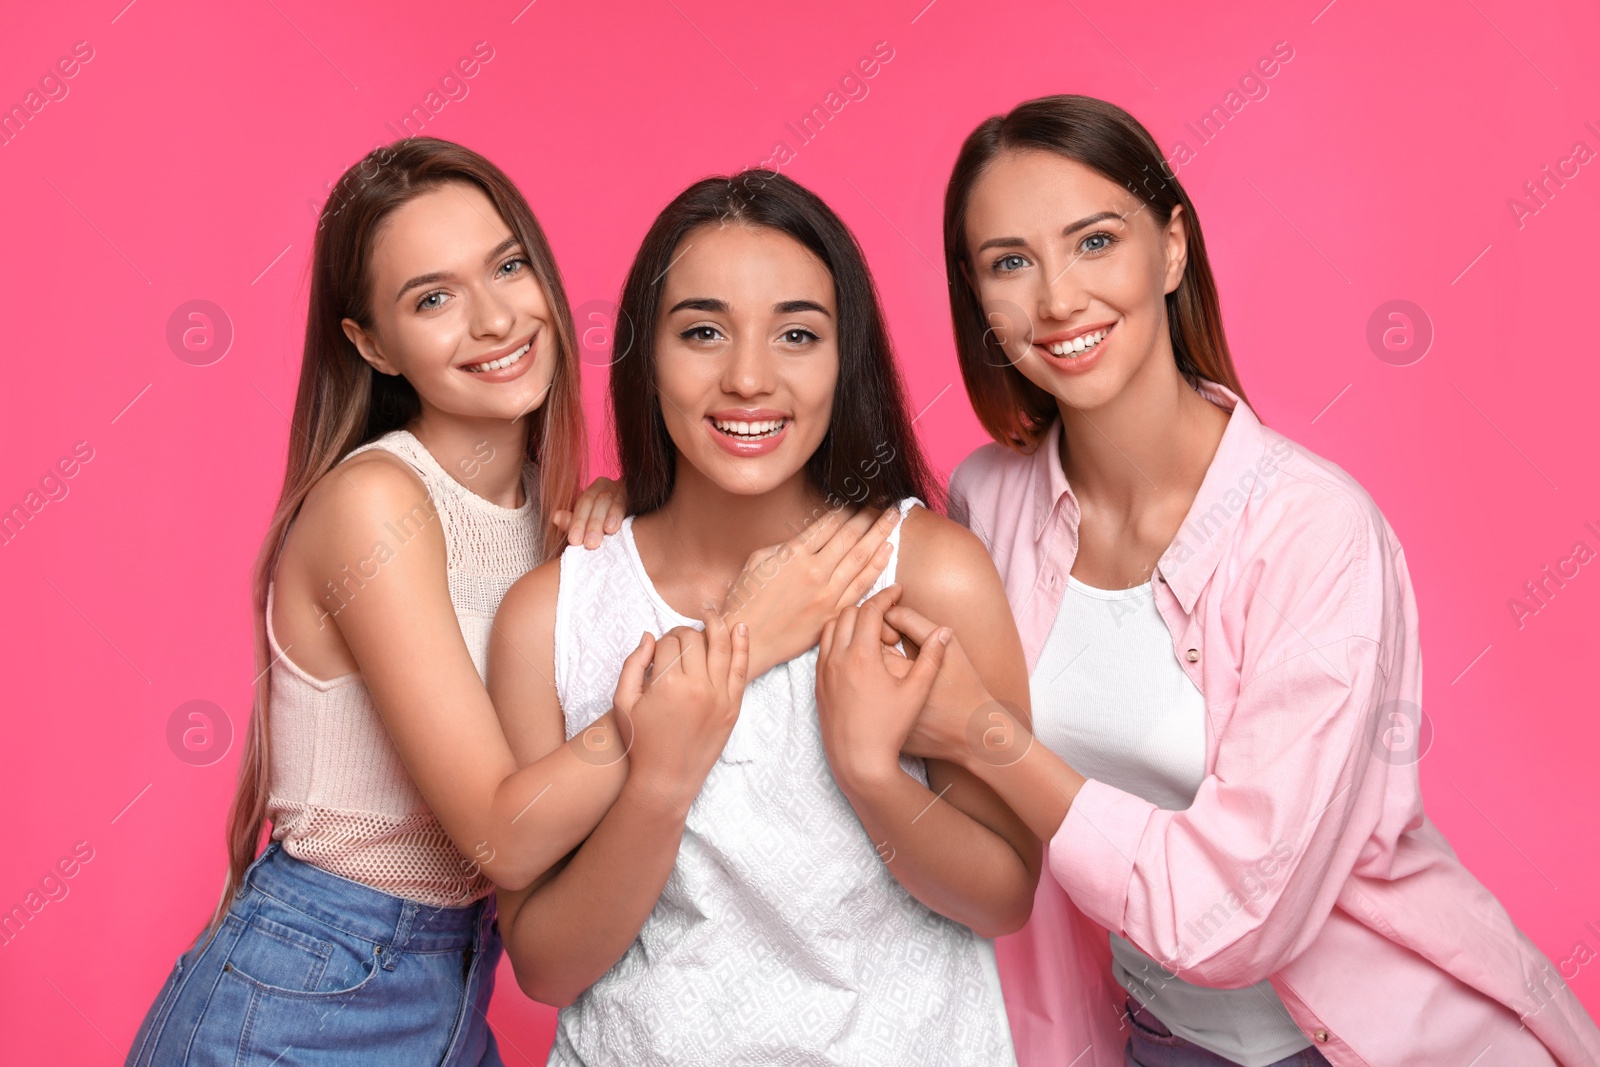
362	586
566	931
954	846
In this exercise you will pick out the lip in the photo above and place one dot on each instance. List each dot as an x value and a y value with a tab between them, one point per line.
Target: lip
505	374
735	447
1080	364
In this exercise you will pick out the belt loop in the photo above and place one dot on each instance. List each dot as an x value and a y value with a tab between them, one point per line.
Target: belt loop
402	934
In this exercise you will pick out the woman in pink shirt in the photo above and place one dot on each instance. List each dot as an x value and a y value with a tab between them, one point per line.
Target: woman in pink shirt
1229	619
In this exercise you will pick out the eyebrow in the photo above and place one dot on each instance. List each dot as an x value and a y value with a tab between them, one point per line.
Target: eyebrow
1017	242
439	276
712	304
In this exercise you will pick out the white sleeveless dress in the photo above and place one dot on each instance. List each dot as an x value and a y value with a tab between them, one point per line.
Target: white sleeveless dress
339	795
780	937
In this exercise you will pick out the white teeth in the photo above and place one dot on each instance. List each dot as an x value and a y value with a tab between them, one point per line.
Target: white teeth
501	363
754	430
1078	344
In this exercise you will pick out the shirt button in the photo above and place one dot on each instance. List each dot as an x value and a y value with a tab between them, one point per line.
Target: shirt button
1320	1035
1193	655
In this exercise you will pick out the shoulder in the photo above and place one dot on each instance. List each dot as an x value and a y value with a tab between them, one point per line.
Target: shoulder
526	618
1311	504
987	463
984	489
533	596
1321	538
942	563
370	499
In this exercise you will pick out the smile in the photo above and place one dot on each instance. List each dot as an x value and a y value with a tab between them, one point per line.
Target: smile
756	430
499	364
1078	345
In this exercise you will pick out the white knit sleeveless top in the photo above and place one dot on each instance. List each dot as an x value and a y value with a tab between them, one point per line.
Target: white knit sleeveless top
780	936
340	796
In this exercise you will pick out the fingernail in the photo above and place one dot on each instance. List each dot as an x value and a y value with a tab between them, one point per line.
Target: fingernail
945	634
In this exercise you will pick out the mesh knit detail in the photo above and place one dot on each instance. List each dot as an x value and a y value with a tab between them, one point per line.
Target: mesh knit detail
340	796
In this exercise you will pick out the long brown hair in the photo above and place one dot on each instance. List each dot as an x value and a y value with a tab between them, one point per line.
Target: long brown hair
1108	140
343	402
870	454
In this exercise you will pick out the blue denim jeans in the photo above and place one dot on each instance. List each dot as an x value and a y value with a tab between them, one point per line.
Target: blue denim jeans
312	968
1153	1045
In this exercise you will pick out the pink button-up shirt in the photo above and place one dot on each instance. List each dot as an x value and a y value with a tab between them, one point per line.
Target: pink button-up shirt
1305	858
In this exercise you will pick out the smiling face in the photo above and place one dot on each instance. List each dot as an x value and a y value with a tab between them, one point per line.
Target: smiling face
746	355
1072	271
457	309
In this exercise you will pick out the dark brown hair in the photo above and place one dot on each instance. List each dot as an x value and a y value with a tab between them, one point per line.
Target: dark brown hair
1108	140
869	414
344	402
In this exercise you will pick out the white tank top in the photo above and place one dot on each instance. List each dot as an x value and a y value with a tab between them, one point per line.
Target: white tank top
340	796
1109	698
780	936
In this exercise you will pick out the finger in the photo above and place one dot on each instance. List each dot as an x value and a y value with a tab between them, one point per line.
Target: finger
561	519
669	649
693	662
631	682
875	536
926	668
911	623
884	599
826	644
844	628
869	622
579	526
719	644
738	659
815	536
848	535
618	509
890	635
896	662
856	587
601	497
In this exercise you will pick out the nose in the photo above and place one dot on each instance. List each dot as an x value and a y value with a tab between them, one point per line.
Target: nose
493	314
1060	293
749	369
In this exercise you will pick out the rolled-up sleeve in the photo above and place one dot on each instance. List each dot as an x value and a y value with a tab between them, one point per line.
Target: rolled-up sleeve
1232	888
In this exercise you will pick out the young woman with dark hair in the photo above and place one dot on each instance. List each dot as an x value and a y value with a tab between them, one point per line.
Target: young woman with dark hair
437	420
773	882
1225	670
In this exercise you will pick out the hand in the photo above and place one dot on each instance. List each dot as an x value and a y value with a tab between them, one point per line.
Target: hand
786	592
953	724
599	511
865	710
677	700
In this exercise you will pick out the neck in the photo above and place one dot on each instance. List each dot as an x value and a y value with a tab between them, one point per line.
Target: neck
1154	438
484	454
706	528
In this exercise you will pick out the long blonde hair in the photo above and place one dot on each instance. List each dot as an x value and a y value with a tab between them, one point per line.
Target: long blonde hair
343	402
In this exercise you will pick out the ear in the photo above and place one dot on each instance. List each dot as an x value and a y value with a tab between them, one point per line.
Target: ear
367	345
1175	237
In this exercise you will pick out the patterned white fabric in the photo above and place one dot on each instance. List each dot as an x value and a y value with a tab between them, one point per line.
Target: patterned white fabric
780	937
340	797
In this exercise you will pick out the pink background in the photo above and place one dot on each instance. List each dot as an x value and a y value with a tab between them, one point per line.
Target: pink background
188	157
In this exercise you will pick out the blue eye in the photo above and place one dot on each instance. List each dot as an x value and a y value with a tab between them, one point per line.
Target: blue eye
437	295
1101	236
517	262
1000	265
